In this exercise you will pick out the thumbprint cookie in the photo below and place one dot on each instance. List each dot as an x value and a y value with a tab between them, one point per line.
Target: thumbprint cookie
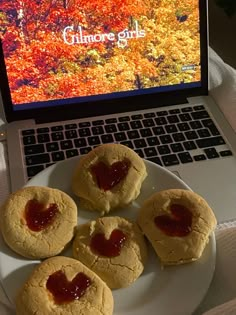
110	176
38	222
178	224
114	248
62	285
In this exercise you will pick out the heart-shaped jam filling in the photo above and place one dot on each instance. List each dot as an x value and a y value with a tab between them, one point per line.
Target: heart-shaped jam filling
178	223
65	291
109	176
39	216
108	247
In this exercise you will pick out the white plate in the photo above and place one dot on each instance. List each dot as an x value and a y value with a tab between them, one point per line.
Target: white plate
176	290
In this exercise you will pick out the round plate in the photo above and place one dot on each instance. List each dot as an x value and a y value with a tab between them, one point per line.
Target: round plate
173	290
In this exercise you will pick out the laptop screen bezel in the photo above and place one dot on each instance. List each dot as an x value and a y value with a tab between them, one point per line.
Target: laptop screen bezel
111	106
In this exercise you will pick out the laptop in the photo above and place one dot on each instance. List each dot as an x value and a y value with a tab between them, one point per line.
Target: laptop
75	75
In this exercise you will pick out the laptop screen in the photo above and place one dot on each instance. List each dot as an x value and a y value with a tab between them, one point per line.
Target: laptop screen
76	52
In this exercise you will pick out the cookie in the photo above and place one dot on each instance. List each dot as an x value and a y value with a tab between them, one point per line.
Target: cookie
38	222
114	248
110	176
178	224
62	285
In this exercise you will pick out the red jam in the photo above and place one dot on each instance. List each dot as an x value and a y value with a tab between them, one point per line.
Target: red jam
178	223
109	176
108	248
39	216
65	291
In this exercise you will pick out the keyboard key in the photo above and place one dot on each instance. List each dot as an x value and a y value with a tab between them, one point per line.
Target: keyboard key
123	126
133	134
152	141
174	111
70	126
129	144
111	120
150	151
124	118
170	159
200	114
37	159
58	156
178	137
211	153
85	150
140	143
34	149
189	145
208	123
110	128
198	107
98	122
94	140
80	142
185	157
98	130
165	139
120	136
136	124
162	113
210	142
156	160
71	134
163	149
203	133
52	146
148	123
191	135
185	117
84	124
226	153
187	109
84	132
71	153
183	126
28	132
199	157
149	115
29	140
42	138
158	131
42	130
171	129
56	128
139	152
66	144
107	138
195	124
161	120
33	170
146	132
176	147
137	117
173	119
57	136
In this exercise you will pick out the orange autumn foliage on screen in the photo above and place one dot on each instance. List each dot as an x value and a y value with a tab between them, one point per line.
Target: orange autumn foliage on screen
162	36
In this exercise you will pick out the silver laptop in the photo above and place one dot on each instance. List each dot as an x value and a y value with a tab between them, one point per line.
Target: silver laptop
73	77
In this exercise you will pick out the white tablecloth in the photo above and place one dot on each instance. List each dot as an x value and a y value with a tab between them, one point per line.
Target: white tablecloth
221	296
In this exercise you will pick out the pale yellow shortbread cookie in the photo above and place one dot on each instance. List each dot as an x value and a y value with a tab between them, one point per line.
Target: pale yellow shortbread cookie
93	297
178	224
89	188
118	266
33	236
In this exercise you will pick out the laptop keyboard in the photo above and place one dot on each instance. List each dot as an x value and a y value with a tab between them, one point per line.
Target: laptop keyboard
166	137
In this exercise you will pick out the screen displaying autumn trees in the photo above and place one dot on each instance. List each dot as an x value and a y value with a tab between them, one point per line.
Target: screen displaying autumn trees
56	49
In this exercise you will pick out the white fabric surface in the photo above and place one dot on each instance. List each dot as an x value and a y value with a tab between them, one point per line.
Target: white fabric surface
221	296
